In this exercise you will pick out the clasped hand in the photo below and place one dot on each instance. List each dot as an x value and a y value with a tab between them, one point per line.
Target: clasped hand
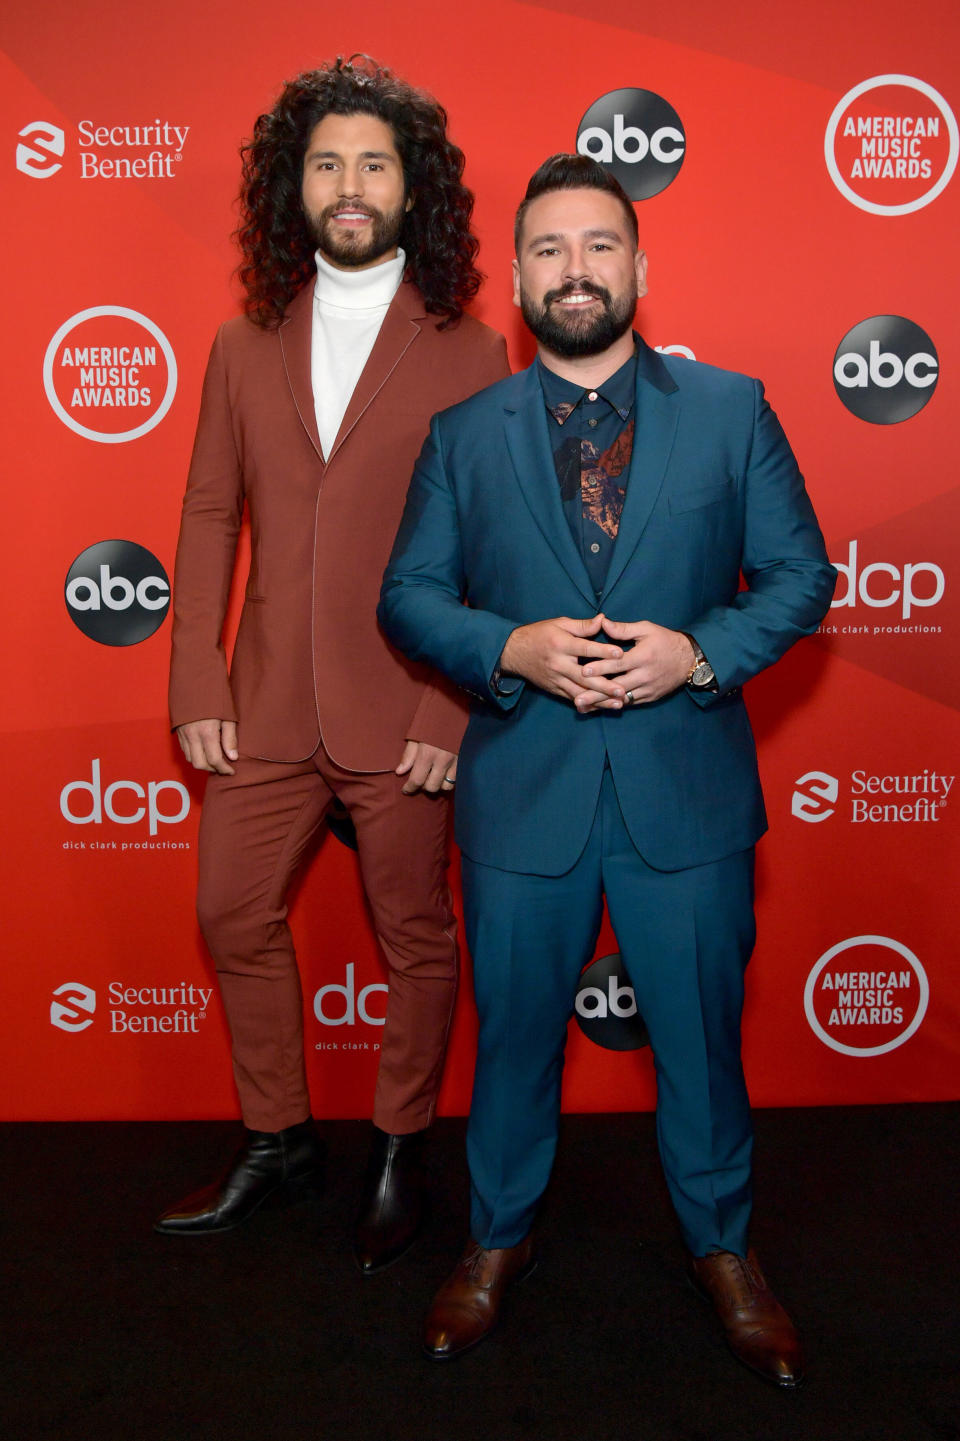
559	657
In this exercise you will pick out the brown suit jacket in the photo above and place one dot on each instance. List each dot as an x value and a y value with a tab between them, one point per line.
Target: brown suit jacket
310	660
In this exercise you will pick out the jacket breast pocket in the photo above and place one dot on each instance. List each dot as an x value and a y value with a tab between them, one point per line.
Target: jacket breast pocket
697	496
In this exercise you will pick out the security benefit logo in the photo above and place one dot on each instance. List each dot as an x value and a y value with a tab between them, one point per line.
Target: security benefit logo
867	798
638	136
117	592
110	374
174	1010
891	145
606	1007
40	151
866	996
346	1004
885	369
142	150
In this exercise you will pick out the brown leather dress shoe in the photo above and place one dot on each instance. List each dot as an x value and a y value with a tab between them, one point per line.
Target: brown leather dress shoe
467	1306
759	1331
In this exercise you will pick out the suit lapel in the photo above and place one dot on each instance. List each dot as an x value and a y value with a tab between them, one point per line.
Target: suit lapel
398	331
657	411
528	441
295	338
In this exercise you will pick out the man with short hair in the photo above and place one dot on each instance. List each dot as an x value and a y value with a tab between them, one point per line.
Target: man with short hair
358	260
596	512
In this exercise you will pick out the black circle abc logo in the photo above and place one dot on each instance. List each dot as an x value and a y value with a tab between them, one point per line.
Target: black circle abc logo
885	369
606	1007
638	136
117	592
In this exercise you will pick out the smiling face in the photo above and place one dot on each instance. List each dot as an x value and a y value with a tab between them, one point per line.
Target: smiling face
353	190
578	274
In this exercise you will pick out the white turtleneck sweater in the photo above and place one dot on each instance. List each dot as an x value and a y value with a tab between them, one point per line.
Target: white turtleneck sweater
348	310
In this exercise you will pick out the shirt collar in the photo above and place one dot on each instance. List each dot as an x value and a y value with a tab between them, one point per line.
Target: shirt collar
359	289
563	396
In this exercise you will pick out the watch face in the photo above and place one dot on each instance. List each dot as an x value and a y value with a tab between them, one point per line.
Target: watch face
703	675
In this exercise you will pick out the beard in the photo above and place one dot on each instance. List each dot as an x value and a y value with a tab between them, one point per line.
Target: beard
570	334
350	247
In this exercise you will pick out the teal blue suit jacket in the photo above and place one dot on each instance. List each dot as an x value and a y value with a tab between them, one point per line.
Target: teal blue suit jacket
714	493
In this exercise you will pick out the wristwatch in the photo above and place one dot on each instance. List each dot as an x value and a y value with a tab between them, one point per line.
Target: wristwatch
701	675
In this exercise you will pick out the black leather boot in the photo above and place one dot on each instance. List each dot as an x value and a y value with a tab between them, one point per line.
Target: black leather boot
286	1164
392	1200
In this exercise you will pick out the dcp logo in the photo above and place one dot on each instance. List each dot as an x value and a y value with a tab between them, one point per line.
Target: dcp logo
866	996
638	136
815	796
354	1005
606	1007
75	1011
885	369
881	584
117	592
104	801
35	159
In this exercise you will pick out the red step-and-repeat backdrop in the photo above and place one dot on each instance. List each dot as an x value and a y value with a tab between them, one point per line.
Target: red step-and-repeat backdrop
793	169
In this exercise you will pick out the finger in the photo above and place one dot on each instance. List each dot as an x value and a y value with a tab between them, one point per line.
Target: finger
418	774
611	667
228	739
624	629
589	701
410	752
580	626
591	648
214	756
435	777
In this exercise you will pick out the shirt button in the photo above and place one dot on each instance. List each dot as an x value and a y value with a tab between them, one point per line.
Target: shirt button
591	423
592	395
595	548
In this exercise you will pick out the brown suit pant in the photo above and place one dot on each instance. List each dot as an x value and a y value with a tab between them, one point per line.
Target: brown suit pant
256	827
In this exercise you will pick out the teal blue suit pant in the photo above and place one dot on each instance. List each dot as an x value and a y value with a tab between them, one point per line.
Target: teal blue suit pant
685	937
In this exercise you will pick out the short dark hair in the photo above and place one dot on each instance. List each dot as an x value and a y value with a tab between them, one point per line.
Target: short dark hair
275	242
574	172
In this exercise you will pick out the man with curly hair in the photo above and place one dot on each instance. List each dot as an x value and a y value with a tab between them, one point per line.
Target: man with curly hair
358	260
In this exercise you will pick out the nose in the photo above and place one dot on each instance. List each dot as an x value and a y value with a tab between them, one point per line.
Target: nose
351	182
577	267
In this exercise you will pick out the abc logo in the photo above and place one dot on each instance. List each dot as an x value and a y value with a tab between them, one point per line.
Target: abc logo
606	1007
117	592
636	135
885	369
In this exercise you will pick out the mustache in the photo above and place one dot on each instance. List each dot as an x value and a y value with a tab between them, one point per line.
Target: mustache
579	287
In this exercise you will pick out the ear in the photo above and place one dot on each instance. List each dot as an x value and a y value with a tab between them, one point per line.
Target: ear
411	198
516	282
640	264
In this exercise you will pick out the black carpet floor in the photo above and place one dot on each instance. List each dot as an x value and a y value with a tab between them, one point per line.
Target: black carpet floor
269	1332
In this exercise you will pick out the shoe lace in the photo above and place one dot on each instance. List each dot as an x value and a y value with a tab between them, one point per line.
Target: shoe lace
473	1261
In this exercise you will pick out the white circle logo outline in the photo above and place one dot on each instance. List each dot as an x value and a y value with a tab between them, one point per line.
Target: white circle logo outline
827	957
874	83
125	314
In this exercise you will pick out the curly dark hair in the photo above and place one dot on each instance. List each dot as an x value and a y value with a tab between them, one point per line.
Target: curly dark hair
273	234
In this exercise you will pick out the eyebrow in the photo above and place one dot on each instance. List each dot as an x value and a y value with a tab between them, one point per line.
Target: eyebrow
593	234
364	155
